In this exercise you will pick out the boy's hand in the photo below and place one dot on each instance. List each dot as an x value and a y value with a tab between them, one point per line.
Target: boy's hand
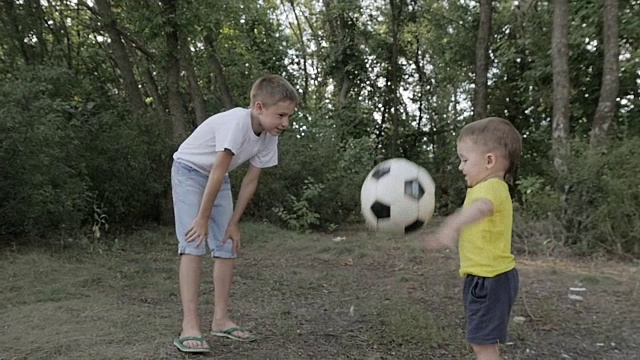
447	237
233	234
443	238
198	231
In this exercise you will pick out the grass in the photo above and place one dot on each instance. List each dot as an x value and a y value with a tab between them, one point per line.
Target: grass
306	296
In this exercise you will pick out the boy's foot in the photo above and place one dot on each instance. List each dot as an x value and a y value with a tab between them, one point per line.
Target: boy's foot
232	331
192	344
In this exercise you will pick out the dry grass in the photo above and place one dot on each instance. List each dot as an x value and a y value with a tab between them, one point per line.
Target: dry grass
306	297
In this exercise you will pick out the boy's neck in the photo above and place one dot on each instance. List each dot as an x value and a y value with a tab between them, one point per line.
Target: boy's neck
255	123
491	176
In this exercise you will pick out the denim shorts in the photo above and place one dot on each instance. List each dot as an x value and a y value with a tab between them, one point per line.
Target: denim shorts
487	304
187	186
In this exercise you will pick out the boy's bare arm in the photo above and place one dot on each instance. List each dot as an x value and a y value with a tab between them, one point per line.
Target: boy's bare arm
477	211
216	176
198	230
448	233
247	189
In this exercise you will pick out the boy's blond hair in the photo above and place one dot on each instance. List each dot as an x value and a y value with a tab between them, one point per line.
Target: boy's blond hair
272	89
496	134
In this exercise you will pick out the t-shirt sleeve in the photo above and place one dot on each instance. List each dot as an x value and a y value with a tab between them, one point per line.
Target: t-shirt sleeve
268	156
230	137
490	190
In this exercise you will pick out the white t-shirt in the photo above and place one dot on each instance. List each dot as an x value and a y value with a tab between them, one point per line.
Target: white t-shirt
228	130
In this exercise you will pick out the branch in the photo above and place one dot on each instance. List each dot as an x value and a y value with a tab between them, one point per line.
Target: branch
136	44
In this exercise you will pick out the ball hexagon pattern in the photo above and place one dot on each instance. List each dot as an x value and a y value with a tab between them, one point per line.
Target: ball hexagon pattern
398	196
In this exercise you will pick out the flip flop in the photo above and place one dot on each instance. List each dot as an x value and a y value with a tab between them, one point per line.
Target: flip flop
179	343
229	333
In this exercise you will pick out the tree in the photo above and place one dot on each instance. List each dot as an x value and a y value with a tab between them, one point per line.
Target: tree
192	80
225	93
396	7
482	60
561	87
610	74
120	54
172	68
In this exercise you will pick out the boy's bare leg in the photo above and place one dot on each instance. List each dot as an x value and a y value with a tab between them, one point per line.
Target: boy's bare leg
486	352
222	278
189	275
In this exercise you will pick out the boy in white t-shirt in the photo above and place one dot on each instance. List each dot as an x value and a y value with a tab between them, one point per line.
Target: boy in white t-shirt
202	200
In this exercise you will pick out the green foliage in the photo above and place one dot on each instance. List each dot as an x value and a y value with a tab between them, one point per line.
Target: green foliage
600	210
602	204
62	154
72	153
537	197
100	220
42	183
127	162
339	169
299	216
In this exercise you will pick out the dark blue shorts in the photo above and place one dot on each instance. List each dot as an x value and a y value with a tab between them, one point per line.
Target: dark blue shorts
487	306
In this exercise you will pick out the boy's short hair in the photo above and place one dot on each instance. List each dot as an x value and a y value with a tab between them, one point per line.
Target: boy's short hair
272	89
496	134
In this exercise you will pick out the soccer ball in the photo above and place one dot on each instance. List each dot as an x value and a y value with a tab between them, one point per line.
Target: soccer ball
397	196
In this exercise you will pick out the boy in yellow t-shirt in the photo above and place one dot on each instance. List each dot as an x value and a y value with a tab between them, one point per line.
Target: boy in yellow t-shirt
489	151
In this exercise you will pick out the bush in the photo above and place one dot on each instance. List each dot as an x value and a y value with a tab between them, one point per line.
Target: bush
43	184
600	212
66	156
337	169
127	160
602	203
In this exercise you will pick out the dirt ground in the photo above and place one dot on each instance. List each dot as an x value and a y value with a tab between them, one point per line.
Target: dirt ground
349	295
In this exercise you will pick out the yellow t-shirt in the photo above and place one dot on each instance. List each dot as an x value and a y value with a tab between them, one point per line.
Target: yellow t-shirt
485	246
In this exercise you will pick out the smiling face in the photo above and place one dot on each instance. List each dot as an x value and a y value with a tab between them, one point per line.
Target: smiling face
272	119
476	165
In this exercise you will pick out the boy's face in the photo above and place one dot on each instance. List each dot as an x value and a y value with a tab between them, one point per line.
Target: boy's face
476	165
274	119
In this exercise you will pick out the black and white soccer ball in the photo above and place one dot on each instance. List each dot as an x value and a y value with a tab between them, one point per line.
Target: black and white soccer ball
398	196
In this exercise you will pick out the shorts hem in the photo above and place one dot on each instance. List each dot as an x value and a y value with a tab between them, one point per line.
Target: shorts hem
219	255
493	341
185	250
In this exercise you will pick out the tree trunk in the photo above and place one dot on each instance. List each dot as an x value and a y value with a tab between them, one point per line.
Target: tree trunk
482	60
561	86
14	32
152	89
343	96
35	15
227	99
303	52
194	87
339	36
394	76
172	69
61	35
417	62
117	47
610	80
142	57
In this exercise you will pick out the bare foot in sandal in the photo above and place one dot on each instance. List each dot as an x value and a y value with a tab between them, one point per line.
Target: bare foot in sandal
231	331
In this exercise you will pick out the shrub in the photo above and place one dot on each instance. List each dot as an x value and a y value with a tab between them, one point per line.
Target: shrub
602	203
63	152
43	185
600	211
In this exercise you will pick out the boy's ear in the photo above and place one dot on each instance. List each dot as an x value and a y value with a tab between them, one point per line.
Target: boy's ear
258	105
490	160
